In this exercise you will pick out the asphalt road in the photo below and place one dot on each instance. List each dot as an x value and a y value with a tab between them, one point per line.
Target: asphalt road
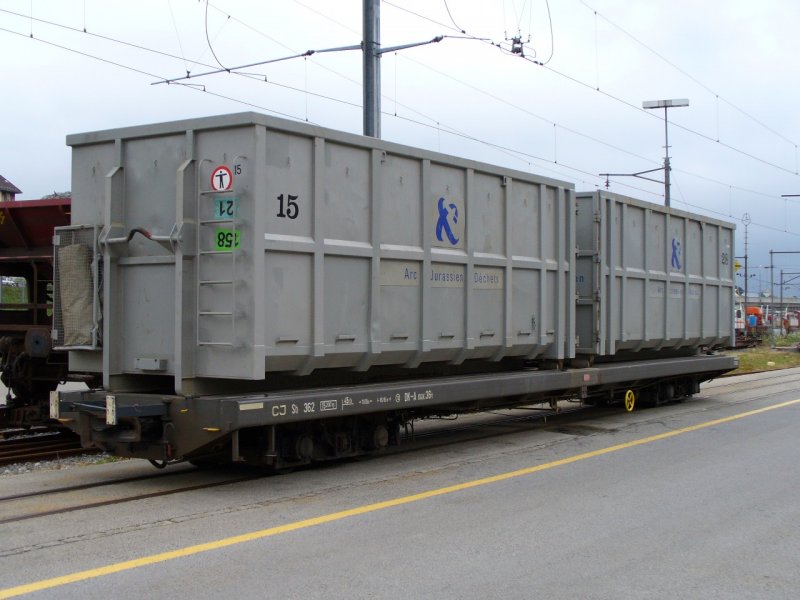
696	500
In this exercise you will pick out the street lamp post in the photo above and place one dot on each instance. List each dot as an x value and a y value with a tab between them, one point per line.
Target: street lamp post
665	104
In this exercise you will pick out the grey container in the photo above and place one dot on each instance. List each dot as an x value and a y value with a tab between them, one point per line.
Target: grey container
650	277
235	246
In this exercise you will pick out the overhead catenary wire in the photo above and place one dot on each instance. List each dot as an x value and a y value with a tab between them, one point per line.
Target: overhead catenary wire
174	25
305	54
449	14
228	16
596	89
208	39
690	76
301	91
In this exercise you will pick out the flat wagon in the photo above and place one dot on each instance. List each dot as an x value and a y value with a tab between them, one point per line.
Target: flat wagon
259	290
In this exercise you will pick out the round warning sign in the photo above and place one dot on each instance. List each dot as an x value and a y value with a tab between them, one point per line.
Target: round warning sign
221	179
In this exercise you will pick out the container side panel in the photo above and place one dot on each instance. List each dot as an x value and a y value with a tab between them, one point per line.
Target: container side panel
346	203
446	319
149	322
347	285
655	235
400	185
400	313
90	165
289	176
549	215
694	250
632	228
526	315
525	215
488	287
151	167
713	261
288	308
695	310
550	310
446	205
488	212
633	317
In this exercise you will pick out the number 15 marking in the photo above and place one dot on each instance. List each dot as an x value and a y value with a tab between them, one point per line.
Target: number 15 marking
291	209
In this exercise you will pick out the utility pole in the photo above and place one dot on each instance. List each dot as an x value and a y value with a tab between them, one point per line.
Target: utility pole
746	221
666	104
372	68
372	65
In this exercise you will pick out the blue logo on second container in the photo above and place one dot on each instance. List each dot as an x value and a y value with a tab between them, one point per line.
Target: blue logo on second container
676	254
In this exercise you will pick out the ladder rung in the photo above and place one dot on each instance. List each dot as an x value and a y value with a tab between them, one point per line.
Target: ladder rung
215	314
216	221
216	282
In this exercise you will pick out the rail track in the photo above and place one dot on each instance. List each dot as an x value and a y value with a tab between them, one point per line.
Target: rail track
569	418
48	445
433	433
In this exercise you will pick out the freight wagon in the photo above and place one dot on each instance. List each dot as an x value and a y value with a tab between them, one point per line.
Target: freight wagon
259	290
29	368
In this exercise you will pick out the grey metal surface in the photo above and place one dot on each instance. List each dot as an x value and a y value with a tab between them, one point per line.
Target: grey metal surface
650	277
238	245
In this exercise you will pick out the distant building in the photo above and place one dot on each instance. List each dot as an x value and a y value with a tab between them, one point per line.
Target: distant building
8	190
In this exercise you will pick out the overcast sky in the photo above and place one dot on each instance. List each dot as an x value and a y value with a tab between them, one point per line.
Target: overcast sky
72	66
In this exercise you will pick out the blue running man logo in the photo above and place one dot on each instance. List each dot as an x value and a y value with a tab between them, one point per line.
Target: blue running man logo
676	254
443	224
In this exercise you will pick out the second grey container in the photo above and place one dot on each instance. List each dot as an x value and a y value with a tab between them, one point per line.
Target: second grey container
650	277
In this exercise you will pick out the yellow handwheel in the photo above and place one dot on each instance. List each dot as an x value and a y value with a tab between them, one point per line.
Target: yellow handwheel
630	400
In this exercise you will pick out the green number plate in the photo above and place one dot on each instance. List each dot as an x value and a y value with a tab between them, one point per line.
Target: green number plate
226	240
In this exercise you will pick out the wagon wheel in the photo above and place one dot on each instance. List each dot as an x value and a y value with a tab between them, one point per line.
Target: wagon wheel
630	400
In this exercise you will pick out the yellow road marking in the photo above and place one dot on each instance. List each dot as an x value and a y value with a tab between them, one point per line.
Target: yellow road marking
361	510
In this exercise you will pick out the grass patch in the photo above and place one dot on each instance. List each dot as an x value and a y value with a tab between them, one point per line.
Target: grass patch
764	358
